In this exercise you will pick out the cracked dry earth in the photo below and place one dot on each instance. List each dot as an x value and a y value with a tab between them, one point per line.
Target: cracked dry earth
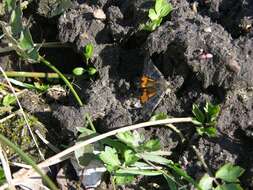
121	52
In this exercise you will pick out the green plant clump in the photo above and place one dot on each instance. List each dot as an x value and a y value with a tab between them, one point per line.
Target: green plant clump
162	9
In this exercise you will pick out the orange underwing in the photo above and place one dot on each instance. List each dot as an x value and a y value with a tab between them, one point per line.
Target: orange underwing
153	87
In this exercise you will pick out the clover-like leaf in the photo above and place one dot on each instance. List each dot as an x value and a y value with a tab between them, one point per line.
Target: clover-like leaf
110	158
229	173
206	182
231	186
78	71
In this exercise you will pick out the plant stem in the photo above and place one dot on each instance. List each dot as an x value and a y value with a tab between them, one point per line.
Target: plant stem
34	74
47	63
28	160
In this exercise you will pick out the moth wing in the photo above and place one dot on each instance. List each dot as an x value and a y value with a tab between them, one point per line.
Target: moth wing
152	103
151	71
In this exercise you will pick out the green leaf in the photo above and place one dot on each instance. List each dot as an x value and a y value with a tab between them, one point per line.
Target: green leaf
152	145
206	182
152	14
183	174
134	171
10	5
88	51
16	21
41	87
231	186
78	71
110	158
171	183
8	100
92	71
212	112
159	116
163	8
229	173
130	157
155	158
209	131
131	139
123	180
199	115
25	40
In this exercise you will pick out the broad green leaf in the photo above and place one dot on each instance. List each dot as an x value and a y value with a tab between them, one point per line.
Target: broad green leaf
130	157
212	111
78	71
229	173
124	179
165	9
25	40
159	116
134	171
199	115
41	87
16	21
152	14
110	158
8	100
206	182
92	71
152	145
155	158
171	183
9	5
231	186
158	6
132	139
88	51
209	131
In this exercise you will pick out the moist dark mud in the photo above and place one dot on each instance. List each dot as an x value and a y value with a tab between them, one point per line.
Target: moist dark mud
177	48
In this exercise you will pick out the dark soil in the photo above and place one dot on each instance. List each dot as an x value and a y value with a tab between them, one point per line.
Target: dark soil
121	50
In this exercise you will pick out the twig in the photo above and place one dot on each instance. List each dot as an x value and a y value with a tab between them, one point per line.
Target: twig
45	141
6	168
10	116
201	159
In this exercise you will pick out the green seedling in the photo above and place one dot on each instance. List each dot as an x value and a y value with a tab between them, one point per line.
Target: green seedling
88	52
78	71
8	100
36	86
162	9
228	174
206	120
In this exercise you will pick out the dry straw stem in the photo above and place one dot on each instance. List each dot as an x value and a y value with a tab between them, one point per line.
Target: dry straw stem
67	153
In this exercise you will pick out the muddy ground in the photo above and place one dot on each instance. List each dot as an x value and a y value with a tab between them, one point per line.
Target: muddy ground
121	50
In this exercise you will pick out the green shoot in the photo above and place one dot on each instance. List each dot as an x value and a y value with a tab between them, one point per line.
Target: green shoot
88	52
227	174
78	71
8	100
206	120
162	9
